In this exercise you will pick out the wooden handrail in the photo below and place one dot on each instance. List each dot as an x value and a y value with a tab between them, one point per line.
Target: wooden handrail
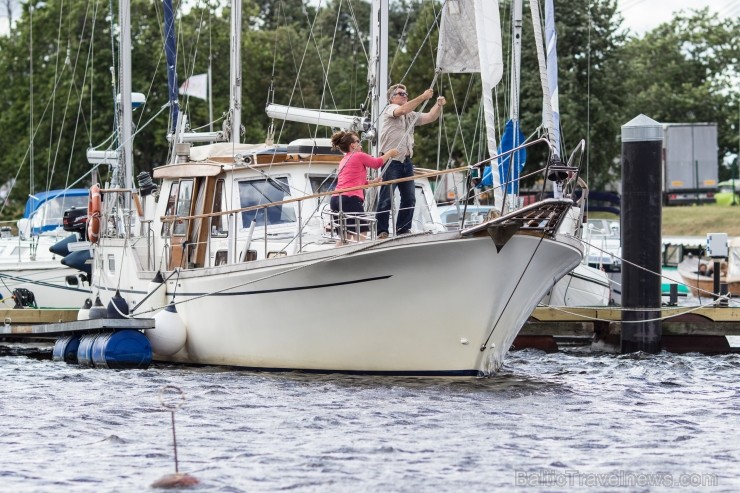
430	174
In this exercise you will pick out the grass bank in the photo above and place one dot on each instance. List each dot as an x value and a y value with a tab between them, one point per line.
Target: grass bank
695	220
698	220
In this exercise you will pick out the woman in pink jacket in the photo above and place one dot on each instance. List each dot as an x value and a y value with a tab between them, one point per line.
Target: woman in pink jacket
352	172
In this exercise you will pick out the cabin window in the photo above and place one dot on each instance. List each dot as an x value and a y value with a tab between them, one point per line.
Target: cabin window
322	184
184	199
263	191
219	224
111	264
170	211
222	258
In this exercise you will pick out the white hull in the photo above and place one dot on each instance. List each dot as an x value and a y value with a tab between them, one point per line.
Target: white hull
370	311
583	286
43	275
46	282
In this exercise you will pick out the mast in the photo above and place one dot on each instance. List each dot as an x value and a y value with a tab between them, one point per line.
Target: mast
124	12
378	69
235	101
516	59
31	178
514	161
170	49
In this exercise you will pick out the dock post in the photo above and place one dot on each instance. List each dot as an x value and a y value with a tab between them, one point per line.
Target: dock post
673	295
715	279
641	216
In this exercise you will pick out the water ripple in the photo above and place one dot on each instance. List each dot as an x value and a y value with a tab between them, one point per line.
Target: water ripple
574	414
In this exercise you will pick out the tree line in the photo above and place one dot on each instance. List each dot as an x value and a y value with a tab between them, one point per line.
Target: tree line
58	79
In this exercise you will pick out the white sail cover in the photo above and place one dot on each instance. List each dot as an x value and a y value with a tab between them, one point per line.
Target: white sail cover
461	52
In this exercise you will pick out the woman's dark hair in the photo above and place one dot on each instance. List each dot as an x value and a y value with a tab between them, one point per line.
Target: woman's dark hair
342	140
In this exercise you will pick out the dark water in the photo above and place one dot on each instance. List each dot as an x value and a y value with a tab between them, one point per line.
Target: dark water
548	422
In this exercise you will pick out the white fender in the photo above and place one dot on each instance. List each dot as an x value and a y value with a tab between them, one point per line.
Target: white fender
169	333
84	313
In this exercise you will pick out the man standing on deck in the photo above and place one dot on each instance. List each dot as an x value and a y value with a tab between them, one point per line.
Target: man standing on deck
397	131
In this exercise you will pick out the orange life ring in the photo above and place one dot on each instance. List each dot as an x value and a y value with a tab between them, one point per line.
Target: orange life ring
94	205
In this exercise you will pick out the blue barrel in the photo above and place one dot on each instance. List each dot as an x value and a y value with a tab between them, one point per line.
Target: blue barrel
65	349
122	349
84	350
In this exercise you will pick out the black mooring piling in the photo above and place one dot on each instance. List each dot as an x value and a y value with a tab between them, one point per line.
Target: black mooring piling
642	142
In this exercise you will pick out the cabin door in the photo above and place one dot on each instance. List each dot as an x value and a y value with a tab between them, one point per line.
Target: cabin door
190	197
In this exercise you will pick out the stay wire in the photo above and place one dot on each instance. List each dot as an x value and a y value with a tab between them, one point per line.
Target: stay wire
511	295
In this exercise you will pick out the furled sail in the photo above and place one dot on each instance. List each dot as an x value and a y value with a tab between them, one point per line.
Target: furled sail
459	52
552	70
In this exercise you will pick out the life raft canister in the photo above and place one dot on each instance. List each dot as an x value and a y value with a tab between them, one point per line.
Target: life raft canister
94	205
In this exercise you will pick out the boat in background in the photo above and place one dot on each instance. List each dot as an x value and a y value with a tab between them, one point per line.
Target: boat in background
701	281
674	250
26	263
604	244
584	285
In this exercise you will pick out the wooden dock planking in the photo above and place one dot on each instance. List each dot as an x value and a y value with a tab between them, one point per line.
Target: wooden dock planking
684	329
29	322
37	315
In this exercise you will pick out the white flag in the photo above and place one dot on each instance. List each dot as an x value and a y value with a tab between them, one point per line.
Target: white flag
196	86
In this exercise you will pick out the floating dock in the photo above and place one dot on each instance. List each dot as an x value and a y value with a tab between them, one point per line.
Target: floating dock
53	323
684	329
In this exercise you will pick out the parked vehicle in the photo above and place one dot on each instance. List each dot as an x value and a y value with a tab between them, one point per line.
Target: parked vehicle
690	163
724	195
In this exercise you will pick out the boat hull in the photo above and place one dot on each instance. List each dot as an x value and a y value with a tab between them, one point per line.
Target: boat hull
704	287
583	286
42	272
47	282
369	308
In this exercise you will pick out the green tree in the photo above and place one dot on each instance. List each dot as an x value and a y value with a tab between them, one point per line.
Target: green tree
688	70
73	95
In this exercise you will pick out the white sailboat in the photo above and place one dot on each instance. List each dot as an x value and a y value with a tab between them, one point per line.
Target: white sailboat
30	274
247	251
